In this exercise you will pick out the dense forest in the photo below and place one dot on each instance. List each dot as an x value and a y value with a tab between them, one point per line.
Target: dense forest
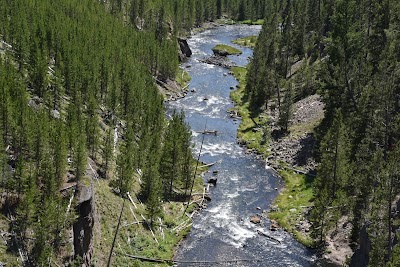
349	51
78	93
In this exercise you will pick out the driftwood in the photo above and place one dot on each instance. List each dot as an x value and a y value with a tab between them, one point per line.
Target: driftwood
267	235
133	223
209	165
130	198
151	230
161	229
94	173
300	172
208	132
204	194
68	209
68	186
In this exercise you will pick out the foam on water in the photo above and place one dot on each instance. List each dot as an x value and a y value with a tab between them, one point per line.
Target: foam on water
226	222
233	195
243	183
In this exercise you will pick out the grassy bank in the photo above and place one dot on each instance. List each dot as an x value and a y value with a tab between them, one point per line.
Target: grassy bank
250	129
249	41
297	193
182	77
252	22
135	238
293	200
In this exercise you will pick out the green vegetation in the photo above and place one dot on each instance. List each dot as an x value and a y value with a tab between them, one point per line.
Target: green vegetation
358	139
249	41
298	192
296	196
252	22
252	130
135	238
79	105
183	78
225	50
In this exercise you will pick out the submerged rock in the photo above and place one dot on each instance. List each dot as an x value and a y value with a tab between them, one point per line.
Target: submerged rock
219	61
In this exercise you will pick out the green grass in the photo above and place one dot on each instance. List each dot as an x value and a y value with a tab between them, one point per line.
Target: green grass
297	194
226	49
249	41
182	77
249	122
136	239
252	22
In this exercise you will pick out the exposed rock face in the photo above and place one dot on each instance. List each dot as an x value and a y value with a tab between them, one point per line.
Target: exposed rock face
171	90
83	228
184	49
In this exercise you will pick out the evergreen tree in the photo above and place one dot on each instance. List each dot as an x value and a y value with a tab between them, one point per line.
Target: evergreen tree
108	151
333	177
125	164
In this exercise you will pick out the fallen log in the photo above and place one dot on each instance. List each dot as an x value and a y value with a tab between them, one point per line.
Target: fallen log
68	186
208	132
268	236
301	172
208	165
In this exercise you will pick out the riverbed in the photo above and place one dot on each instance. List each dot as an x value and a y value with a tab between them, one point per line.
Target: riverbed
223	233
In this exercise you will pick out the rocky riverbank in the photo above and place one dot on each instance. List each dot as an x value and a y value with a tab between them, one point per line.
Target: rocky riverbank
296	148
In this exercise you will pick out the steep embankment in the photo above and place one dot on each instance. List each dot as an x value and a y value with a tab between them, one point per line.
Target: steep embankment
291	153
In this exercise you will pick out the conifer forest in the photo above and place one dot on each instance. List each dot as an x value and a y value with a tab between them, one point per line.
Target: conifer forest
94	168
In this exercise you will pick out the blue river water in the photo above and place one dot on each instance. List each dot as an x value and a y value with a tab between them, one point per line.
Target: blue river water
223	232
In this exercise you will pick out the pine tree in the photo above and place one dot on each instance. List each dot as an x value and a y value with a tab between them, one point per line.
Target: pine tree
80	160
285	112
108	151
125	164
333	177
60	151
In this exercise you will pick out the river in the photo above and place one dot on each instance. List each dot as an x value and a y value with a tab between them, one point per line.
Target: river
223	232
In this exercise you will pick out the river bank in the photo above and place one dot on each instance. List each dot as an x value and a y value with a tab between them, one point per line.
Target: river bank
244	188
290	155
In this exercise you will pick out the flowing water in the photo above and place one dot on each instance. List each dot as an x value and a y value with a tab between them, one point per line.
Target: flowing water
223	232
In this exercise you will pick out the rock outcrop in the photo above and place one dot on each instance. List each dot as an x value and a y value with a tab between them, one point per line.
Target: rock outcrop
83	228
184	50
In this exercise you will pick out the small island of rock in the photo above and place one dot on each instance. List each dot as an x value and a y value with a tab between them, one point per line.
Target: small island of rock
225	50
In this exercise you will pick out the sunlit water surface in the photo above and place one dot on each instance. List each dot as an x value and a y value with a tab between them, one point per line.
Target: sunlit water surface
223	231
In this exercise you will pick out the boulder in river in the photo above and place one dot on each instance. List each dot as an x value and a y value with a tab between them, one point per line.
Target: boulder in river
274	227
212	181
255	219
